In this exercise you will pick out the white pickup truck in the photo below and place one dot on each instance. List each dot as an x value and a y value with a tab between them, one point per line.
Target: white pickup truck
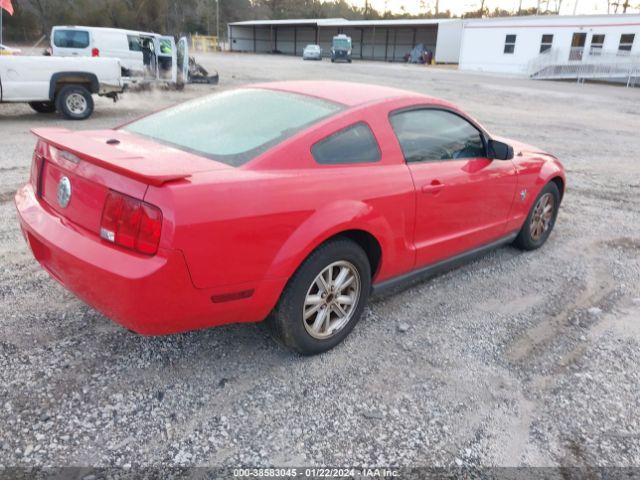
63	84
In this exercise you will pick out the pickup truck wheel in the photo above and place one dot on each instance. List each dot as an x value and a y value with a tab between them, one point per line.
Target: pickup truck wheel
324	299
43	107
75	102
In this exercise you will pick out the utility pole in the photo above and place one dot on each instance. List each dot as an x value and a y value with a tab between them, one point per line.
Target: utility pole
218	24
1	11
538	8
520	8
575	7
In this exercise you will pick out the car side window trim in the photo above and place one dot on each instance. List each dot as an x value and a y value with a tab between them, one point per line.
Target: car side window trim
328	138
483	134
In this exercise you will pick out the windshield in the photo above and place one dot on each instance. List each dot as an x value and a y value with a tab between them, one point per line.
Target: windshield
313	47
342	43
236	126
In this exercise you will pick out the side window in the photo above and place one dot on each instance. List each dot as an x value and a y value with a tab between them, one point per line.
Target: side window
71	38
134	43
546	43
355	144
626	42
430	134
597	41
510	44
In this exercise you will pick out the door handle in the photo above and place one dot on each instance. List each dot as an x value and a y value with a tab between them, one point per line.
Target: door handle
434	187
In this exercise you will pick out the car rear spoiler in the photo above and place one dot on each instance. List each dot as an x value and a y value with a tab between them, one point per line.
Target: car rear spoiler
100	148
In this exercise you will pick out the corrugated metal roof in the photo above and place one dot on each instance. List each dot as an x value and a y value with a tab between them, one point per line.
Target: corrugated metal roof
293	21
394	23
341	22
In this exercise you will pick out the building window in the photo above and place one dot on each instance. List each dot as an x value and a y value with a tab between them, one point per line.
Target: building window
510	44
597	41
546	43
626	42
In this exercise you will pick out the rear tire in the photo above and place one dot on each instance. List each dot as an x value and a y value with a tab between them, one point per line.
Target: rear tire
43	107
541	219
75	102
343	268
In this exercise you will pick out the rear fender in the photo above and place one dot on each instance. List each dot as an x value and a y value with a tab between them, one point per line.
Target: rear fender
325	223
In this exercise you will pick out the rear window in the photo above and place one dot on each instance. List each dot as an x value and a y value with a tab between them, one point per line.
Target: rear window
234	127
71	38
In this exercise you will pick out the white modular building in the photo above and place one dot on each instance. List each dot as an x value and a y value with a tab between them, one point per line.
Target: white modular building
386	40
552	46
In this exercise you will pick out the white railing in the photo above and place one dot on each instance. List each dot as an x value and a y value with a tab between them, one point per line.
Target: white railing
583	64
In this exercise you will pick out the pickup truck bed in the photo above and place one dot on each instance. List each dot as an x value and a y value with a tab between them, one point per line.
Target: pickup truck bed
55	83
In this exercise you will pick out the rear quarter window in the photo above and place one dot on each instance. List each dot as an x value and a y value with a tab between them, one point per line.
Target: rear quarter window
355	144
71	38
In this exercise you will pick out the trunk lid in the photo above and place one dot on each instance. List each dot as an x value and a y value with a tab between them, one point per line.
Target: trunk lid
77	169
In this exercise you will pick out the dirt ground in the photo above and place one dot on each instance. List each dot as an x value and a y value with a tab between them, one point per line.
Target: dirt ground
517	359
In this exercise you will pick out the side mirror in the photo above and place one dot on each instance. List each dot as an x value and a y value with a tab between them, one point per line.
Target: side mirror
500	150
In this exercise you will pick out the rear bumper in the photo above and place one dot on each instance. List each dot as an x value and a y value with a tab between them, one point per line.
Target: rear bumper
149	295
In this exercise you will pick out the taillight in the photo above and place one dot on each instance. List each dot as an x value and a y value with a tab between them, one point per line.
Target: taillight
95	52
33	177
36	166
131	223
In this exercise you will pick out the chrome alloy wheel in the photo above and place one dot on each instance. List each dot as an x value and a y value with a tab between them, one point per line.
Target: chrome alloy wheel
331	300
76	103
542	216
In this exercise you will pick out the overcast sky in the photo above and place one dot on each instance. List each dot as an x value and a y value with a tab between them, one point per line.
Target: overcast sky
460	6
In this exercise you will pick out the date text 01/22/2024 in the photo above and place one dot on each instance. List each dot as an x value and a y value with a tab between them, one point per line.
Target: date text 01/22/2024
315	472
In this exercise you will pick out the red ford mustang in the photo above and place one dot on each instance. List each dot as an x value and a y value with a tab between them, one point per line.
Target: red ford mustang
289	201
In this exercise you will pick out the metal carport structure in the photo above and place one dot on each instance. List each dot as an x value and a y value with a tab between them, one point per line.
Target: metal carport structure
385	40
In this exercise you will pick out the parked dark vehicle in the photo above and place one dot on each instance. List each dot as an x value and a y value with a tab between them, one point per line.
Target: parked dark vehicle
341	48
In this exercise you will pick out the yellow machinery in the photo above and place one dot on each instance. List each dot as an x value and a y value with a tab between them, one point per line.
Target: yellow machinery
204	43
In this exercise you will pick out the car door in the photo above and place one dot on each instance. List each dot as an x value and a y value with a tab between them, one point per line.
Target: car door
183	60
462	196
167	59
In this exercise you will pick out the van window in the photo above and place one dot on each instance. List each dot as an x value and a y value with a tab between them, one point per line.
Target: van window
71	38
134	43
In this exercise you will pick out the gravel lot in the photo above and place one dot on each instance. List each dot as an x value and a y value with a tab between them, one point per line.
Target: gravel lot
518	359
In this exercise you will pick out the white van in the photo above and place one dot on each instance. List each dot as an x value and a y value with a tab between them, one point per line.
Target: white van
149	56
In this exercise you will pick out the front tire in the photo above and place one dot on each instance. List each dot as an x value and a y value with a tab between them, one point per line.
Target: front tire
43	107
75	102
541	219
324	299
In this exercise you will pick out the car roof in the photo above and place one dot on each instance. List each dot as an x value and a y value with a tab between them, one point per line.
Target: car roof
347	93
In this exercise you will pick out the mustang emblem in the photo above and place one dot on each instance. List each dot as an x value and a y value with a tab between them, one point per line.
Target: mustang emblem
64	192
